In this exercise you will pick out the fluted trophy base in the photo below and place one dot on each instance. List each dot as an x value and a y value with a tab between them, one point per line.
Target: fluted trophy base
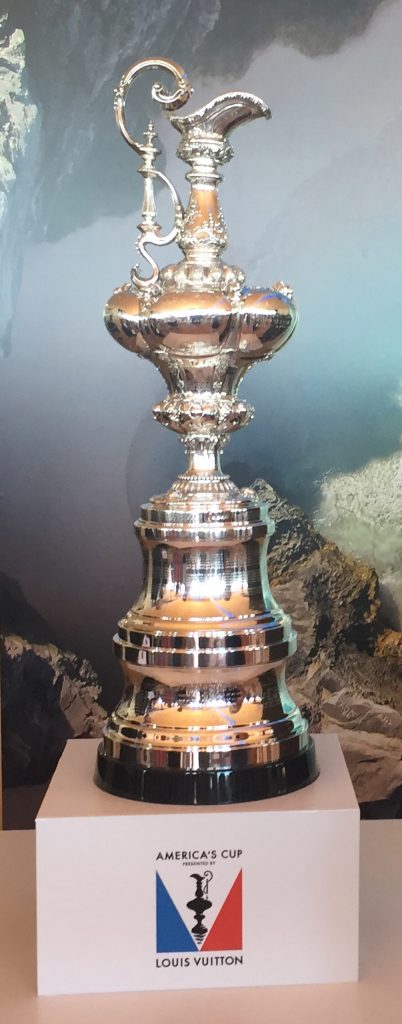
123	776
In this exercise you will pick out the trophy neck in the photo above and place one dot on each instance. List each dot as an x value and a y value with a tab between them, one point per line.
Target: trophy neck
203	482
203	235
204	461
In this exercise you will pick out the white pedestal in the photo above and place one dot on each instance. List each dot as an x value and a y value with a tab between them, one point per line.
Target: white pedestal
114	878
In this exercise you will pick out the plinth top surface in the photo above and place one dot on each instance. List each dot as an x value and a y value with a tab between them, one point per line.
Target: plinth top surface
377	996
72	792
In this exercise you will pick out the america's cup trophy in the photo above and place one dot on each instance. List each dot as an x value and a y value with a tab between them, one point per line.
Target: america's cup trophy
206	717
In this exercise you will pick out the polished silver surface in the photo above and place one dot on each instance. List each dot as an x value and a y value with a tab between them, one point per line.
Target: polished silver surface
203	649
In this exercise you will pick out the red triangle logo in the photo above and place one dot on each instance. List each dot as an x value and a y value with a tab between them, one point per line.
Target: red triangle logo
227	929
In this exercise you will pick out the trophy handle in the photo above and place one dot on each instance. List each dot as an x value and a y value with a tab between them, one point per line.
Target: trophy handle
169	100
208	876
150	231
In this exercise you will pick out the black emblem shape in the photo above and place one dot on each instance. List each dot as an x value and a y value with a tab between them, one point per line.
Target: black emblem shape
200	904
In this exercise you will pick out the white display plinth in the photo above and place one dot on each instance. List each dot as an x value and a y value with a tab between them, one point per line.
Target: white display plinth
114	879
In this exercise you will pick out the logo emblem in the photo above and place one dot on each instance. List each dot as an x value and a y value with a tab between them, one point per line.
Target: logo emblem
176	931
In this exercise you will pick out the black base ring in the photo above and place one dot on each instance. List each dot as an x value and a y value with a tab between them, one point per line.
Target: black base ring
219	786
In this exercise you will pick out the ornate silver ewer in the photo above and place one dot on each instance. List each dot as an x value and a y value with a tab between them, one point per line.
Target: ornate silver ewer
206	717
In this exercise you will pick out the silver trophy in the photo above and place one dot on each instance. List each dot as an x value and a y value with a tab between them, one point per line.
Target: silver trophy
206	717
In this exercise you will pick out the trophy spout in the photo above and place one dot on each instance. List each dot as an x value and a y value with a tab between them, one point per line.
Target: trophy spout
221	115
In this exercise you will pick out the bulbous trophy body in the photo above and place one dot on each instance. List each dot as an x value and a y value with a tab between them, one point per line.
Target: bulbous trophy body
205	716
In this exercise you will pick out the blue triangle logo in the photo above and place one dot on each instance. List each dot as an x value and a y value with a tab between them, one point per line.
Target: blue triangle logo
172	935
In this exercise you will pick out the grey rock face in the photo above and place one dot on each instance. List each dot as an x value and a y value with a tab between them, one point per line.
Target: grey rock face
314	28
18	163
48	696
18	616
347	671
77	52
58	171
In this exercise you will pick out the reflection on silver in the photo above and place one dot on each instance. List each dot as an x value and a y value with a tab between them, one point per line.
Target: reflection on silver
204	647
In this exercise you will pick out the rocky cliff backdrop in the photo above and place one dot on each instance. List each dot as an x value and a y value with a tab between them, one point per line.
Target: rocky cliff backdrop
322	207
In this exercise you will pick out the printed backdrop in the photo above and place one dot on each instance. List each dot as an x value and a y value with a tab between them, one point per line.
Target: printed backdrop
313	197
